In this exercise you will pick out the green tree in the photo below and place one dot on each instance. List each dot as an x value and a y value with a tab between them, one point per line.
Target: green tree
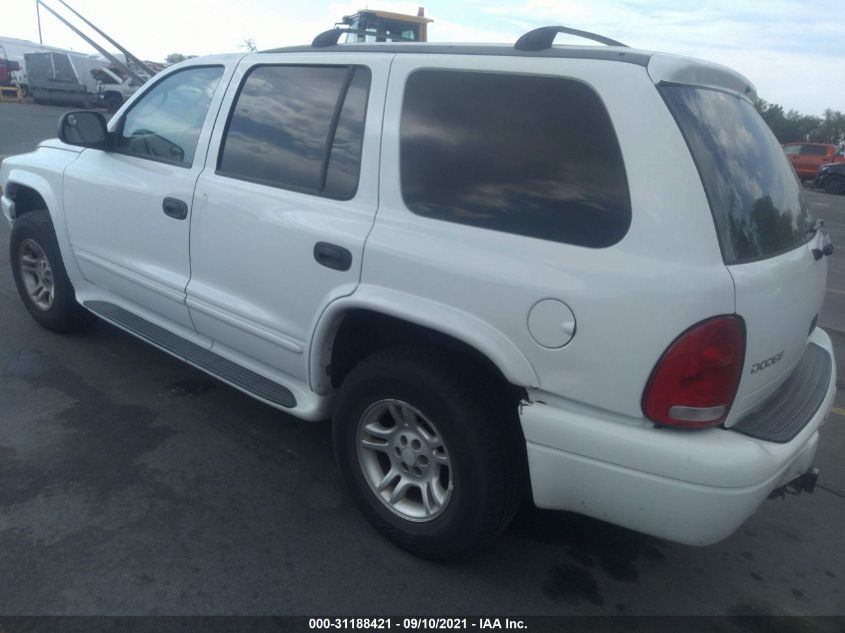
802	126
175	58
790	126
832	128
774	117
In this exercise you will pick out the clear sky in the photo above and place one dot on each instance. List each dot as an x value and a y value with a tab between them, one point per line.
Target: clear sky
793	51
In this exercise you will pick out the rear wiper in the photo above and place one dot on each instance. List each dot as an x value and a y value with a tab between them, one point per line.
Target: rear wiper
817	226
826	242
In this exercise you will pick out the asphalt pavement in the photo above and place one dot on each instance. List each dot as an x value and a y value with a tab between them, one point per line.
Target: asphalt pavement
22	126
131	484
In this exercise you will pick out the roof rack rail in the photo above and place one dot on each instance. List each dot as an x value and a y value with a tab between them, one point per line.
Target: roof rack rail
332	36
543	38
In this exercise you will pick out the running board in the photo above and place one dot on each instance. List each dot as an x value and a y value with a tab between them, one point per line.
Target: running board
204	359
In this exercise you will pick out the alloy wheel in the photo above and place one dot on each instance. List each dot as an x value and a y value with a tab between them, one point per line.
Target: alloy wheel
37	274
404	459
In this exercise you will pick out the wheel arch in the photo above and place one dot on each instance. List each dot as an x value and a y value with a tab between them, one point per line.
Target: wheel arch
42	186
373	318
29	192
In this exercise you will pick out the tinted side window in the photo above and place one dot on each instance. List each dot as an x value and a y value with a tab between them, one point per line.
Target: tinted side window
165	124
299	128
345	157
792	149
813	150
757	203
536	156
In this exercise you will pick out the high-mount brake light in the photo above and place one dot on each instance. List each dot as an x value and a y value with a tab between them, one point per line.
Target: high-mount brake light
694	383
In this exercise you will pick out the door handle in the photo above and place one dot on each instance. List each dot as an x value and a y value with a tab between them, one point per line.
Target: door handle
175	208
332	256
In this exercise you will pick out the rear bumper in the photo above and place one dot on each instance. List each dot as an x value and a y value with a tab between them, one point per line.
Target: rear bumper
693	487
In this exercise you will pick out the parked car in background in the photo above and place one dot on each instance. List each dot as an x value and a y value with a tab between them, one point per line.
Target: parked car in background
806	158
831	178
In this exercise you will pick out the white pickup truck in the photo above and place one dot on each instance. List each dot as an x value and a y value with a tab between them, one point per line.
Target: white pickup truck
584	274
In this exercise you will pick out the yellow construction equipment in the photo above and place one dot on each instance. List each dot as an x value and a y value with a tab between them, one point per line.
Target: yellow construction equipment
11	93
369	25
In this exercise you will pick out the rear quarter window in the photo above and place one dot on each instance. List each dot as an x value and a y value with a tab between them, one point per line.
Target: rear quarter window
535	156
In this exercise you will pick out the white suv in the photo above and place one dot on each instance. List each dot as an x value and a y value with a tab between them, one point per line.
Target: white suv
583	272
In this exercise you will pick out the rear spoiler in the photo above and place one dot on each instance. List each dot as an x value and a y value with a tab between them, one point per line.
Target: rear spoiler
675	69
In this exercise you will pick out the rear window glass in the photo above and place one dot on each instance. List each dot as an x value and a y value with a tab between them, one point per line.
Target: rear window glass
757	203
535	156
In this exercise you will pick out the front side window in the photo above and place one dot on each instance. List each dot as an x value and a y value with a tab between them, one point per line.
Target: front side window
792	150
165	124
298	128
536	156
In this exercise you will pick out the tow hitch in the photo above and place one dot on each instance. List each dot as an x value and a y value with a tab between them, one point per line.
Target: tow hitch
802	483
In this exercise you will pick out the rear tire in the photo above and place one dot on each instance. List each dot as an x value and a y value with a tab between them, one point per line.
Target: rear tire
40	275
451	440
834	184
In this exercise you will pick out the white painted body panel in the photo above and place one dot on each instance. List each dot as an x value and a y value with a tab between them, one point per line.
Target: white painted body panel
780	299
441	317
630	300
777	297
238	277
255	285
119	234
42	171
692	488
121	238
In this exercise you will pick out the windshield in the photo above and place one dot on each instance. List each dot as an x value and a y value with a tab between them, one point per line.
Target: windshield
756	200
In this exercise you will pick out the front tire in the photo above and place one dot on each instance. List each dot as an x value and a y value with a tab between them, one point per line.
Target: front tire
431	452
40	275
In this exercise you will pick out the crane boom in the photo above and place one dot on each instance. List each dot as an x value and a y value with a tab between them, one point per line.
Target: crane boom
128	55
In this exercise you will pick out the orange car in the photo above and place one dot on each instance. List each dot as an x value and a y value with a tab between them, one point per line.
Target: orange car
806	158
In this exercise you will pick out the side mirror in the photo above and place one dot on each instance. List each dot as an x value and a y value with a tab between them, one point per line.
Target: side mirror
85	128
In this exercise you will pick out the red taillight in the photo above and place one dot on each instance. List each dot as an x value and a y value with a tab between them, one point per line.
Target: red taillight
694	383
